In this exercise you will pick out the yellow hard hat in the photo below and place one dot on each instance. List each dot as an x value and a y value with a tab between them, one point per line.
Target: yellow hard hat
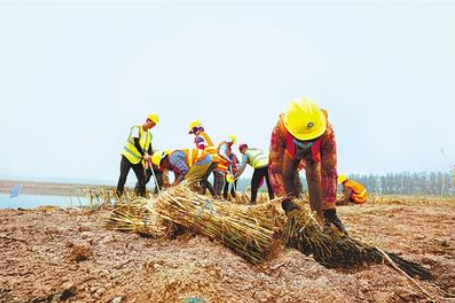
160	155
194	124
232	138
305	120
154	118
341	178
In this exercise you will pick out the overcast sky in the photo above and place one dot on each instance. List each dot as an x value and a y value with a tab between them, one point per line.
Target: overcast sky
74	77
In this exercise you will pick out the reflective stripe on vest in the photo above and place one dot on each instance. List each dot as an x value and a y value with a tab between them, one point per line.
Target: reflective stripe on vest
193	156
214	153
223	163
130	151
258	158
359	192
210	148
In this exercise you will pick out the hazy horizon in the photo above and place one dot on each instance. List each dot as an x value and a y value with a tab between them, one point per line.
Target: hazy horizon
74	77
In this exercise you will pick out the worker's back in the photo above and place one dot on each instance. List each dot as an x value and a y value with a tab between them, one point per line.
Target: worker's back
359	192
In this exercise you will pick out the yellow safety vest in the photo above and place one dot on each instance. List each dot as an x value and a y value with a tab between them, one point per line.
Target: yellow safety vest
210	148
223	163
193	156
258	158
130	151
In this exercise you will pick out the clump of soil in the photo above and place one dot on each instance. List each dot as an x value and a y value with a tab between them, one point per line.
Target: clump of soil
80	252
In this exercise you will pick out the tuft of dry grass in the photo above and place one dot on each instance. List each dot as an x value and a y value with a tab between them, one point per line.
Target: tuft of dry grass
334	249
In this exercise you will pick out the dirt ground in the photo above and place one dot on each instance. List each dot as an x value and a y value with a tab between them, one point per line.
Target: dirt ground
70	255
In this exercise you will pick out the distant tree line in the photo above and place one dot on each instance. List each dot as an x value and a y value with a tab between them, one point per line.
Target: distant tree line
424	183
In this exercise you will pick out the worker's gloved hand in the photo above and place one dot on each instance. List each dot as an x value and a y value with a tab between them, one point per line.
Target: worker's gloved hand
331	218
289	206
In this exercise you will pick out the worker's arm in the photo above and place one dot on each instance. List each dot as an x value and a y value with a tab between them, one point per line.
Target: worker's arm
313	177
241	167
179	166
135	133
276	155
166	181
177	178
283	172
150	149
291	187
207	138
347	192
223	152
235	163
138	146
329	169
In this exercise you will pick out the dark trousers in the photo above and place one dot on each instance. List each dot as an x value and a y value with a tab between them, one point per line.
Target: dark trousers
226	189
218	182
148	176
125	166
258	174
205	180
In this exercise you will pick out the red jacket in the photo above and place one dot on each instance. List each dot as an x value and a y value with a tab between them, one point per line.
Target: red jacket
320	162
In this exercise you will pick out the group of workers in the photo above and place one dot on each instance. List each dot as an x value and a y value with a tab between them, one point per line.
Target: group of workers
303	138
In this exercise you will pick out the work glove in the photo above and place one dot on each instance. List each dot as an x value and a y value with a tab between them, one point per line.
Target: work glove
331	219
289	206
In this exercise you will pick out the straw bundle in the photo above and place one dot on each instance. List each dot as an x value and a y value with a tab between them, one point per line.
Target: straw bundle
248	233
139	215
334	249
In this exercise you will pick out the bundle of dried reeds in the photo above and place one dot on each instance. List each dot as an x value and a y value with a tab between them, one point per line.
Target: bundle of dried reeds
249	233
139	215
334	249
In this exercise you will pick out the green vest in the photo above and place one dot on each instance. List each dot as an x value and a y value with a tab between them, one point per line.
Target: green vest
258	158
130	151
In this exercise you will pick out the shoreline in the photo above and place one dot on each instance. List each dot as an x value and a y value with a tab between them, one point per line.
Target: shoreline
47	188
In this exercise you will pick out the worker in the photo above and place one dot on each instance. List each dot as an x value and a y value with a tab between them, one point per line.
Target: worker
352	191
160	175
224	152
192	165
231	181
203	141
260	162
304	136
136	154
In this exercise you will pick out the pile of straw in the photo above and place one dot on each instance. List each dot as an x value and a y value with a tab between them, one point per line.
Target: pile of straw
248	233
334	249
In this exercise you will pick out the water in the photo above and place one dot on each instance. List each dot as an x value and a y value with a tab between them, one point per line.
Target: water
32	201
